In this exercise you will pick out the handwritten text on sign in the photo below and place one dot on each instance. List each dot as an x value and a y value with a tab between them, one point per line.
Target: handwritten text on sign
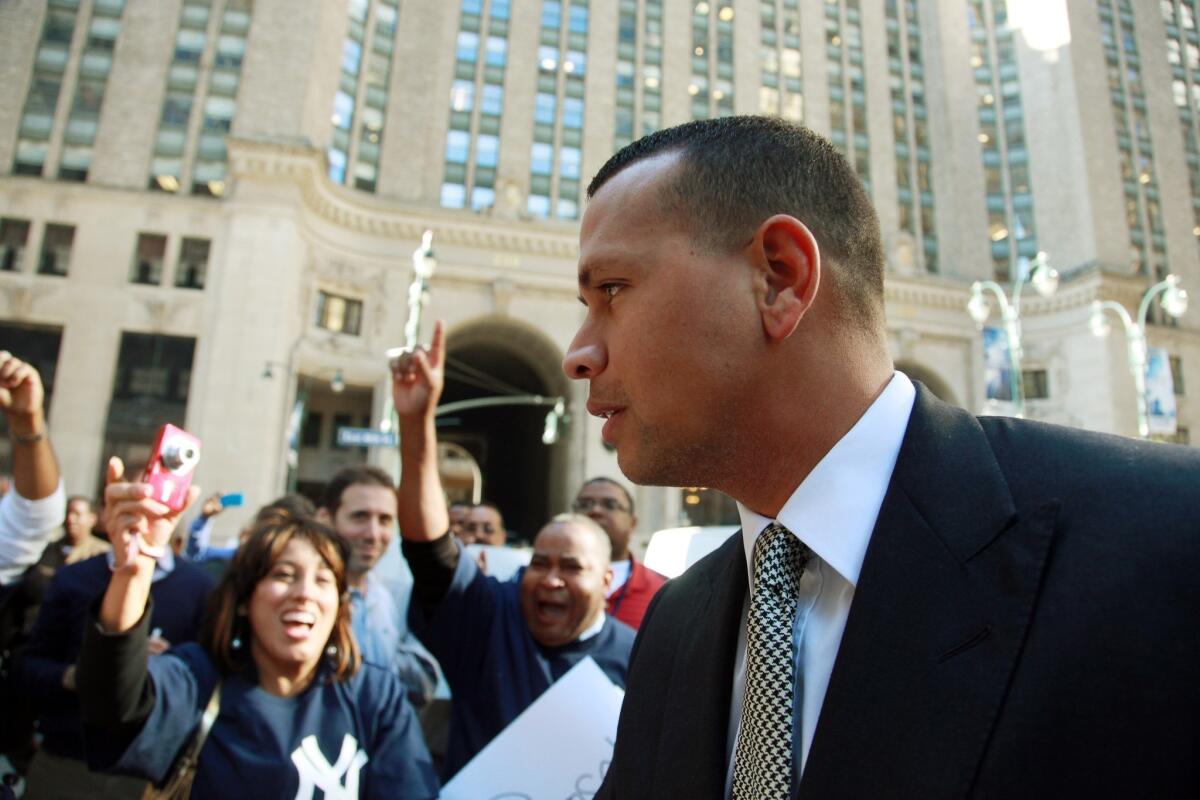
558	749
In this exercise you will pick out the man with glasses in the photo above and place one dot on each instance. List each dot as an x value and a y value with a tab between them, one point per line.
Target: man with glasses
634	584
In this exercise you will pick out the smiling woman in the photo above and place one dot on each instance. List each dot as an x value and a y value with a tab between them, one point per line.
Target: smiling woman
298	710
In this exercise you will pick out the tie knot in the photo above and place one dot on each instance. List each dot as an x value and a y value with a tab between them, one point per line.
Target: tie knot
779	561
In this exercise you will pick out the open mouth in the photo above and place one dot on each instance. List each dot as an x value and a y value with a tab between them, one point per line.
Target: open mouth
298	625
550	612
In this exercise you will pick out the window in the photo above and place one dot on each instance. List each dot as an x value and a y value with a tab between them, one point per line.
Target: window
56	249
1035	384
148	259
340	421
544	108
458	143
462	95
14	233
468	47
310	435
486	149
1177	374
193	264
541	158
339	314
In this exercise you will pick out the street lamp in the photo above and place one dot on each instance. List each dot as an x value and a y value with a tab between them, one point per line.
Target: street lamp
1045	282
424	265
1174	302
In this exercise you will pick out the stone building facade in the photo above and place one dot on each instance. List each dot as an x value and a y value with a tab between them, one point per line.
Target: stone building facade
208	208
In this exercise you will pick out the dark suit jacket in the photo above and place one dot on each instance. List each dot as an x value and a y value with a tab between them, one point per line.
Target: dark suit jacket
1026	624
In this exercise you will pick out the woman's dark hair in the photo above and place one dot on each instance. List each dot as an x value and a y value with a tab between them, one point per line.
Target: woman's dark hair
225	616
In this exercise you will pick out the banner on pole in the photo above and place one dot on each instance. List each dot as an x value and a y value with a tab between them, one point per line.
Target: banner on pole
1160	393
997	372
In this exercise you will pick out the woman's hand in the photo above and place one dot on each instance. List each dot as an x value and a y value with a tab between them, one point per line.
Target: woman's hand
136	524
419	377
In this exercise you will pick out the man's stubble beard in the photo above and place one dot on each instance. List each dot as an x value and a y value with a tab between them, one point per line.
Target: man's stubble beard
666	460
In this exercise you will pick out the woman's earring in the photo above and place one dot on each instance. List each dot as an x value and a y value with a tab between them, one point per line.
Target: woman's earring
331	651
236	644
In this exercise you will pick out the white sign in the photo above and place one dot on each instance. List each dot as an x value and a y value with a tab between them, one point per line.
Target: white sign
673	550
501	563
366	437
558	748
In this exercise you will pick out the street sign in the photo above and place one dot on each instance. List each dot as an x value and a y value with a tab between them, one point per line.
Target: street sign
366	437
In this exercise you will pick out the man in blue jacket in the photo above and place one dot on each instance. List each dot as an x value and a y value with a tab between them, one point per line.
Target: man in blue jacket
500	644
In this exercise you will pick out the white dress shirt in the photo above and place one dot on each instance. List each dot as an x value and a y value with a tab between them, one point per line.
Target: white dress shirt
833	512
26	527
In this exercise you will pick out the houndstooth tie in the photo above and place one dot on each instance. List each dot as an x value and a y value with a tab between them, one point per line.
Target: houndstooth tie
762	763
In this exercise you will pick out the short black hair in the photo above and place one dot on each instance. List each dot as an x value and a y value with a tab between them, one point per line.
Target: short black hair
603	479
487	504
738	171
353	476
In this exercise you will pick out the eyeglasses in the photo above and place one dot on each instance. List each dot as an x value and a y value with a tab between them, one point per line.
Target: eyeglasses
586	504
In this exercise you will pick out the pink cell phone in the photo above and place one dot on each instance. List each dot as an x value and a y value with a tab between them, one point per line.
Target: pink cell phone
172	462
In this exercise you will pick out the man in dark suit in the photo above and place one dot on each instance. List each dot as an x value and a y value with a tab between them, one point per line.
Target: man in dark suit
920	603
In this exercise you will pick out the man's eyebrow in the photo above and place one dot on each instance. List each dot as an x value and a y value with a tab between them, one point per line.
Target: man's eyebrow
585	278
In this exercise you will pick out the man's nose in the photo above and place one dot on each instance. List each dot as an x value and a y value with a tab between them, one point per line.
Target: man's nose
552	578
586	357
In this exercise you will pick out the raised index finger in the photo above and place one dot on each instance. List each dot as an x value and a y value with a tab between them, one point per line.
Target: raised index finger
436	345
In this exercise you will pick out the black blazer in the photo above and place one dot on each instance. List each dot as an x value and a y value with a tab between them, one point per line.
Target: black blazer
1026	624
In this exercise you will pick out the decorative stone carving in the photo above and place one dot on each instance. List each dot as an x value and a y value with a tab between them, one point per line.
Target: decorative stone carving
510	200
502	294
902	254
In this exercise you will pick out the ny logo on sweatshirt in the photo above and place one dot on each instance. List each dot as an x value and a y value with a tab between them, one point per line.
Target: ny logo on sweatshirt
338	781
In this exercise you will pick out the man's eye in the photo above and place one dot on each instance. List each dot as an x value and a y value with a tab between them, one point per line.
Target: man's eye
610	289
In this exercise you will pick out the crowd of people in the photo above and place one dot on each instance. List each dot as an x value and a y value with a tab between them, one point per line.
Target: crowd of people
119	633
921	603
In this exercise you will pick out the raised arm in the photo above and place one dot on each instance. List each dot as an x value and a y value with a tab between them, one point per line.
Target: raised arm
140	529
417	382
22	398
34	510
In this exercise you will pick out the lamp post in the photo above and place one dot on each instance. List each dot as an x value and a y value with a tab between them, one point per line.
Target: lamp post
1045	282
424	265
1174	302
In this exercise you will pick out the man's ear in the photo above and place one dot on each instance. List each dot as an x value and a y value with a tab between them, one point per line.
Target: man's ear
790	271
322	516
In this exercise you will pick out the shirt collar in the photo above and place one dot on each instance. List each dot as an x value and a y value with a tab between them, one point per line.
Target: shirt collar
593	629
833	510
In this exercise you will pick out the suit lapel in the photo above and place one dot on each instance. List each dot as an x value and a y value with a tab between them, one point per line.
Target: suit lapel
702	674
937	622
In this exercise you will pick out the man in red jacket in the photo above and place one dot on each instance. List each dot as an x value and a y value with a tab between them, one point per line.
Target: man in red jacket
633	585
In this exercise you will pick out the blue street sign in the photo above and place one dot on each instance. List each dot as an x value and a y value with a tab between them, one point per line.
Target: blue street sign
366	437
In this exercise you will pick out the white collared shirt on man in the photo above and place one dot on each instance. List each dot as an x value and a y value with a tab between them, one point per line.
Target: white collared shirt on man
833	511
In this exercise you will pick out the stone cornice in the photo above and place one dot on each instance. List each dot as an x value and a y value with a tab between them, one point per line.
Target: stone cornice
1076	291
373	216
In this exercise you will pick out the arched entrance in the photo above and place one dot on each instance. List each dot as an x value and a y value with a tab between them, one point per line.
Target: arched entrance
503	358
